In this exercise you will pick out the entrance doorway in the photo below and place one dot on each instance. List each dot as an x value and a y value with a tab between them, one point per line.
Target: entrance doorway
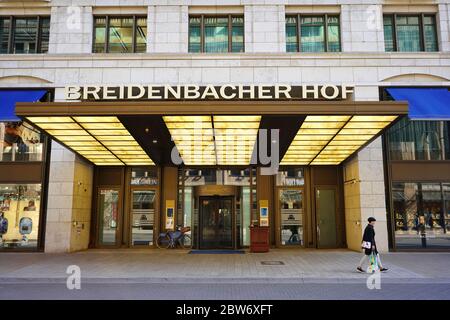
290	206
142	216
109	210
216	222
326	217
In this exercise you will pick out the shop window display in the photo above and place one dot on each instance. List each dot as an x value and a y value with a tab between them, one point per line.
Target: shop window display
421	215
19	215
20	142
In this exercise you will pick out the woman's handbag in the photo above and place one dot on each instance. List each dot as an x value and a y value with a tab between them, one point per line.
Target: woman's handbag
366	245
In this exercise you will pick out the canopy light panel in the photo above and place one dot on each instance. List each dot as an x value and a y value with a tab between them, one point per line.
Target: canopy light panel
193	137
102	140
235	138
329	140
214	140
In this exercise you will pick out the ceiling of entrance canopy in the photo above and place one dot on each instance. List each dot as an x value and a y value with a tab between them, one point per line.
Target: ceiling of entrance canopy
101	140
329	140
213	133
209	140
214	140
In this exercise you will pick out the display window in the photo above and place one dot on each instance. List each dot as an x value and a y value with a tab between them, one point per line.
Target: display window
20	141
19	215
421	215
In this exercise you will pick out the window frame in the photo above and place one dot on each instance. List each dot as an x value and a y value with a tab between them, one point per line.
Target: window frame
421	17
298	16
135	17
11	33
202	30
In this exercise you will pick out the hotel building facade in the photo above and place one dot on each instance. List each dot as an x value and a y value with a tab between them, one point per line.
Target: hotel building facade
120	120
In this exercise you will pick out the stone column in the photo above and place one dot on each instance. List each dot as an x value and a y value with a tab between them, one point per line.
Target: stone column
364	189
69	201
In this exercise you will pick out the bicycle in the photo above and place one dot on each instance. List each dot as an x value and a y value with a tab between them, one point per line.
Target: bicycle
172	239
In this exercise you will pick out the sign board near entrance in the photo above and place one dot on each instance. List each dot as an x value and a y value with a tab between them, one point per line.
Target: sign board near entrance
263	213
170	219
208	92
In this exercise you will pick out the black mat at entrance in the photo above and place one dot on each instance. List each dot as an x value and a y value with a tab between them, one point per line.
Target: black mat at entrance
216	252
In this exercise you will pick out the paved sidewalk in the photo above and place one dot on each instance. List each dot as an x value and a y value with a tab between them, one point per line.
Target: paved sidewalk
176	266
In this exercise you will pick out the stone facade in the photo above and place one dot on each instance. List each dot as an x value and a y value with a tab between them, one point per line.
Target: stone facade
363	63
69	201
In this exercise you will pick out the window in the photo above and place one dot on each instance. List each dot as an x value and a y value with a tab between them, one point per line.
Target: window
410	33
24	34
313	33
419	140
421	214
216	34
120	34
20	141
19	215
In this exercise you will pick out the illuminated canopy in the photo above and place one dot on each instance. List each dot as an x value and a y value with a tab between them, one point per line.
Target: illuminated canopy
206	133
101	140
329	140
211	140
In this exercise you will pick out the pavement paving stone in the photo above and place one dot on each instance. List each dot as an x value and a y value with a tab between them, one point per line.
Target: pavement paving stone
176	265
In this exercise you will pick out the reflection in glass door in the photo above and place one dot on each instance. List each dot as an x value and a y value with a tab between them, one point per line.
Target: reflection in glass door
142	216
109	214
216	222
291	214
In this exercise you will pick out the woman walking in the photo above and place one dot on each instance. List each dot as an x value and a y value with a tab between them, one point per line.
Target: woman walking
370	246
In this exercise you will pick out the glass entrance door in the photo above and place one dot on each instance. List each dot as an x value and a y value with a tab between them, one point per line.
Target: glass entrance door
109	216
142	216
290	203
216	223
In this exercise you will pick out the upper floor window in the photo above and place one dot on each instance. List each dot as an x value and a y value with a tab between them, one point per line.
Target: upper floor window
24	34
419	140
124	34
309	33
216	34
410	33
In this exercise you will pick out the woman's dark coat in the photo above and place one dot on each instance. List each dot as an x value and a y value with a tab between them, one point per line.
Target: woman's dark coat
369	236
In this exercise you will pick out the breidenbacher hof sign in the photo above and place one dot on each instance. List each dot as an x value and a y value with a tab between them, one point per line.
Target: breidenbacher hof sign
208	92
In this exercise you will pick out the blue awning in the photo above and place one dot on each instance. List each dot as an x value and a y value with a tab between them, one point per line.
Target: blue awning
424	103
8	99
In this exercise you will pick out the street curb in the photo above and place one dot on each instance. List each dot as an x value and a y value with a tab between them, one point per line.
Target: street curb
183	280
